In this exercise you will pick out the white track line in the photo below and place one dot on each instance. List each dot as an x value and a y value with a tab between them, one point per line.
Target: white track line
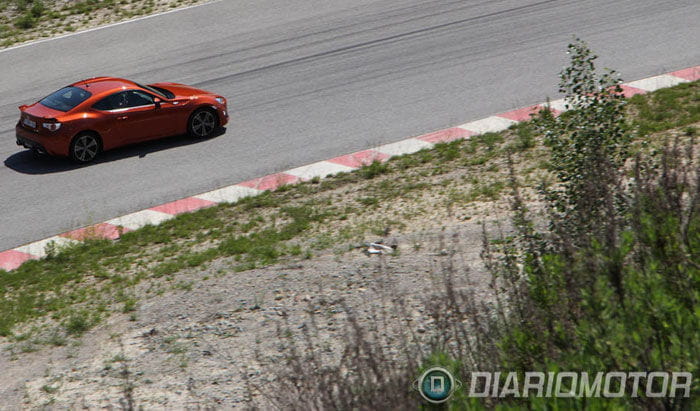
33	42
229	194
320	169
408	146
488	125
139	219
38	248
657	82
559	105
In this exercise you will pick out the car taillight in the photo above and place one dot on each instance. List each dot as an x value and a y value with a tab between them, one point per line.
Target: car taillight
52	125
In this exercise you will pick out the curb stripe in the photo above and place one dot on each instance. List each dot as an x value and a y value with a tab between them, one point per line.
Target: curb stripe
38	248
408	146
690	74
102	230
113	228
270	182
139	219
320	169
491	124
185	205
229	194
657	82
361	158
629	91
11	259
558	105
522	114
445	136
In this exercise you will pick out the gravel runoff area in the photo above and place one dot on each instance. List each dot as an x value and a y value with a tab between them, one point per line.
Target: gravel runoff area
193	346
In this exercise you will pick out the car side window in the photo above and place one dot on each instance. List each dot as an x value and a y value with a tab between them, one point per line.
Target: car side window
124	99
112	102
137	98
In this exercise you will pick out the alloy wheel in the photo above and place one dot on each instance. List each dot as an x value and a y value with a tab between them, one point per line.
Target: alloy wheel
85	148
203	123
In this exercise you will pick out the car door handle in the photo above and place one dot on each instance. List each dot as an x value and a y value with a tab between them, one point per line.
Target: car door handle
122	117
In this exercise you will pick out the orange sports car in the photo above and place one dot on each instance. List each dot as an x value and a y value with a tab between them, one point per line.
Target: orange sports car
90	116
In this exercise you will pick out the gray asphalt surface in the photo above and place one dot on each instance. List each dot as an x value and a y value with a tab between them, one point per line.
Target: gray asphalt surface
308	80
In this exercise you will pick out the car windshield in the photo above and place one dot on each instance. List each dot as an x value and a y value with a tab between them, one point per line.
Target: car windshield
66	98
158	90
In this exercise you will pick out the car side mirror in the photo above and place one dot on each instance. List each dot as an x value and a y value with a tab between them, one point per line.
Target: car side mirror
157	102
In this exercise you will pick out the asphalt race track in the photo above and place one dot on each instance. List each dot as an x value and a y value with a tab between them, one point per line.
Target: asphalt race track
308	80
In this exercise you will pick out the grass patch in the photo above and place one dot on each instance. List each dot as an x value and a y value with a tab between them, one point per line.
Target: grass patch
373	170
525	136
666	108
78	322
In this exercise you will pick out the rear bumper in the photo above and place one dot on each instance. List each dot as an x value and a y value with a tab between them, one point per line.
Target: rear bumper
32	145
55	145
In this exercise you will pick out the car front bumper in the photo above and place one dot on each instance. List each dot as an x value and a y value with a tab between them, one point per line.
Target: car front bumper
223	115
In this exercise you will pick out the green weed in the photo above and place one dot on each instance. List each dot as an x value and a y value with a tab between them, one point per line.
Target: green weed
376	168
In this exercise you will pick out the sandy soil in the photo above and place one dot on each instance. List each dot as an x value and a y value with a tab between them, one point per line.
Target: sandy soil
192	348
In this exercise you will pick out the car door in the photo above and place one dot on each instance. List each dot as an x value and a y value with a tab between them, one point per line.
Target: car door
128	117
142	119
173	115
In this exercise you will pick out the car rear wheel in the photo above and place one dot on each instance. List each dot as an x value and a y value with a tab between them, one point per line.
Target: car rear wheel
85	147
203	123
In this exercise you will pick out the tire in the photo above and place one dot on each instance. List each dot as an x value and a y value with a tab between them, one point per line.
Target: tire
85	147
203	123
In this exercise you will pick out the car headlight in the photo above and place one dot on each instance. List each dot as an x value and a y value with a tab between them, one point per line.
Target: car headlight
220	100
52	126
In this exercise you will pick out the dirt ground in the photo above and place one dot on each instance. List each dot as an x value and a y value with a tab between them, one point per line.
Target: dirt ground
69	23
193	347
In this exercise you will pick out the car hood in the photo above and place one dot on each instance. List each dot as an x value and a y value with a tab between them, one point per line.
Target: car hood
181	90
41	111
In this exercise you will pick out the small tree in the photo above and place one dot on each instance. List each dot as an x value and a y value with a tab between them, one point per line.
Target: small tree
613	284
588	143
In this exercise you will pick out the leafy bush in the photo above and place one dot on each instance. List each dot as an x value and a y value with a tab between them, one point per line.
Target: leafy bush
25	21
21	5
79	322
613	284
626	300
37	9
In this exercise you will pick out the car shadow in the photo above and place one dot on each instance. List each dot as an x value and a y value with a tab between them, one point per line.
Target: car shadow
28	163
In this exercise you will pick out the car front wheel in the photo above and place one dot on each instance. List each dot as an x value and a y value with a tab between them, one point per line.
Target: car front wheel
203	123
85	147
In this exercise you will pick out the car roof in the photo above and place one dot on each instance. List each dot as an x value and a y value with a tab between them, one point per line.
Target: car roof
101	85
